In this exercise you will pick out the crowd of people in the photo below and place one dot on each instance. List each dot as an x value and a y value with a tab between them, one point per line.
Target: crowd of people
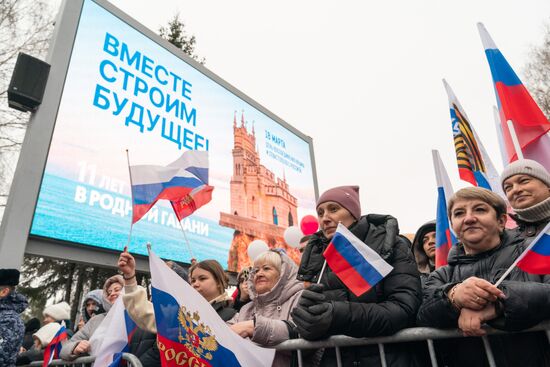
278	300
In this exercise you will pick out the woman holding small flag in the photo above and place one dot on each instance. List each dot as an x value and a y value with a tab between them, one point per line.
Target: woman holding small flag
463	293
368	286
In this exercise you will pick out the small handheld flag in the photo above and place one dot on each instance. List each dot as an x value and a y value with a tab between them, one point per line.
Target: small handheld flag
357	265
198	197
53	348
535	259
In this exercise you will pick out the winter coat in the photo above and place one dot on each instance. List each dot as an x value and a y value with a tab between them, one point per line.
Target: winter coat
12	328
527	303
528	230
83	334
144	346
143	343
271	309
31	355
385	309
31	326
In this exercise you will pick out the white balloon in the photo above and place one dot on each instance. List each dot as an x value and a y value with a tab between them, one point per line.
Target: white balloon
256	248
292	236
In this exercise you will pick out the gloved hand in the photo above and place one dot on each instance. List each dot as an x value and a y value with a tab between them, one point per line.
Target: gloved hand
313	315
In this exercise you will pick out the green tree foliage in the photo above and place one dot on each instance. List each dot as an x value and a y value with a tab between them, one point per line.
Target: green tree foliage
176	34
537	72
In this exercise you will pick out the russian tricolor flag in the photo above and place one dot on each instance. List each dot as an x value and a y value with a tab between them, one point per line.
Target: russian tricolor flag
474	164
185	179
113	336
516	104
53	348
189	330
536	257
357	265
444	237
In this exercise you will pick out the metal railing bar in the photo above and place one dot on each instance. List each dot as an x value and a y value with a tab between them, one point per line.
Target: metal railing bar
87	361
406	335
300	361
488	351
431	350
382	355
338	357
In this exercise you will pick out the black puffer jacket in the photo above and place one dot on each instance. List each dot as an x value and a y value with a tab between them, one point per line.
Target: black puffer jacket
527	303
144	346
387	308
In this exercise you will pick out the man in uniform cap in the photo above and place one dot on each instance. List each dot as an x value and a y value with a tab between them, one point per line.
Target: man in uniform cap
12	328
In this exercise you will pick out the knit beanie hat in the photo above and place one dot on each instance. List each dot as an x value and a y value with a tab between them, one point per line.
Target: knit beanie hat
59	311
525	167
347	196
46	333
9	277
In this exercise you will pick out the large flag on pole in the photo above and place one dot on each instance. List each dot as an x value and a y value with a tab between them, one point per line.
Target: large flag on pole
113	336
189	329
183	181
357	265
516	104
474	164
444	237
53	348
500	137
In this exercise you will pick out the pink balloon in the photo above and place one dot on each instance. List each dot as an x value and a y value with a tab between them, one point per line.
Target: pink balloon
309	225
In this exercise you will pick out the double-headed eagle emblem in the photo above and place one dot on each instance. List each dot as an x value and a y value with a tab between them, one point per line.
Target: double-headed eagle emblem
196	336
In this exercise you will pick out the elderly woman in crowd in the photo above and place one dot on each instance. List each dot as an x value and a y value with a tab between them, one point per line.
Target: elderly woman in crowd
330	308
462	293
527	187
274	291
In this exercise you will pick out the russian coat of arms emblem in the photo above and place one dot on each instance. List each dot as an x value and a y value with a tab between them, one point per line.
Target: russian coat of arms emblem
196	336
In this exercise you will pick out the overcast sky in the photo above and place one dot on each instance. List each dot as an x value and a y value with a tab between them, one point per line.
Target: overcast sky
363	79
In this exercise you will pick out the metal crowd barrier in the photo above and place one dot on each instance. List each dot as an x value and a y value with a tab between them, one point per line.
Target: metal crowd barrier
131	361
407	335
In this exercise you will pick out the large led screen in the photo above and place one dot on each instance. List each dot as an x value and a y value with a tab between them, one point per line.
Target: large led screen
125	92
